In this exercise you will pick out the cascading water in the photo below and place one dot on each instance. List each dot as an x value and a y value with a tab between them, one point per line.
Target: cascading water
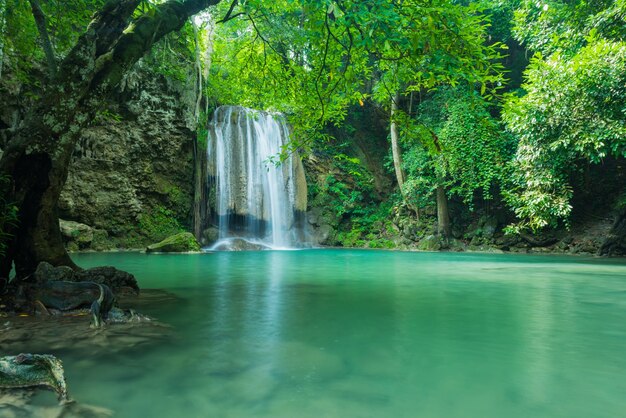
255	200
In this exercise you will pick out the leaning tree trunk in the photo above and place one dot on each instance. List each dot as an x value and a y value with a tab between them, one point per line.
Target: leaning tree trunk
395	145
37	158
396	151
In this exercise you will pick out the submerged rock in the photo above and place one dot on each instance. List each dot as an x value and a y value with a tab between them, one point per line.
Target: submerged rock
33	370
68	332
23	403
179	243
66	296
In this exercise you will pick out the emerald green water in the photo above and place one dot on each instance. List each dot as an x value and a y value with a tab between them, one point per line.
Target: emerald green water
348	333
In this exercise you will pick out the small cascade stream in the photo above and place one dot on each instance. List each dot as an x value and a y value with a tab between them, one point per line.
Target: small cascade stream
257	203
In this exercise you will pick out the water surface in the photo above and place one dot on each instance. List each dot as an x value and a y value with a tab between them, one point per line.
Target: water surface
349	333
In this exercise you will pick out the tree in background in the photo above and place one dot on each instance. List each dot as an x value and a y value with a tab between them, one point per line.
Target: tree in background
573	109
455	147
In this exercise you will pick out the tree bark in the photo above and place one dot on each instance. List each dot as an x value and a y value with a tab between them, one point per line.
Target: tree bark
395	146
37	158
3	7
443	216
42	28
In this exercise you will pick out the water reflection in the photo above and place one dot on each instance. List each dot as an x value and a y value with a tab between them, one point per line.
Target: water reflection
377	334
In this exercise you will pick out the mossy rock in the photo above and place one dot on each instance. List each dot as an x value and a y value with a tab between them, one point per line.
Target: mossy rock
431	243
179	243
75	231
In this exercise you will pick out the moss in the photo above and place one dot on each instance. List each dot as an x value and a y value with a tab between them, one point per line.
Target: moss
159	223
183	242
381	243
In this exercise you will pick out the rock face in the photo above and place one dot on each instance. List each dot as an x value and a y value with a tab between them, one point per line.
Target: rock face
131	173
78	236
179	243
363	145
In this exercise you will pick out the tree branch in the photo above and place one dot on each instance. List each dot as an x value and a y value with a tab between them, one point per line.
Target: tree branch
42	28
231	17
141	34
228	16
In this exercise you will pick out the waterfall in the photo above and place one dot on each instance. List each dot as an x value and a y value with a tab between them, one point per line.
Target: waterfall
256	200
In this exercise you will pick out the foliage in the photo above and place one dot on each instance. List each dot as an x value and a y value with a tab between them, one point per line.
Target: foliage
159	223
173	57
312	60
66	19
107	116
454	142
575	110
561	25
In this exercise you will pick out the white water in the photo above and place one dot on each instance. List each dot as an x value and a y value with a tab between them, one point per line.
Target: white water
256	200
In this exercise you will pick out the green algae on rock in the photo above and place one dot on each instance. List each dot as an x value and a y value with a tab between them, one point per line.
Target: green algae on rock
33	370
179	243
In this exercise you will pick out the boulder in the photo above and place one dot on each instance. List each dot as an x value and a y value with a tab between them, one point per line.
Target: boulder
431	243
210	235
74	231
101	241
179	243
238	244
118	280
322	234
47	272
314	216
490	226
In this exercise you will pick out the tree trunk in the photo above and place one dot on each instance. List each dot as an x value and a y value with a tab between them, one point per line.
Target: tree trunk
395	146
37	158
3	7
443	216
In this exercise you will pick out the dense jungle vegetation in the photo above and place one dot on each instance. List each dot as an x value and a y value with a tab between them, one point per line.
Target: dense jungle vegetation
507	107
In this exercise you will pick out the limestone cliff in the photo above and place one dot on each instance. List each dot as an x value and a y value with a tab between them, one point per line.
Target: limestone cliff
131	173
131	177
